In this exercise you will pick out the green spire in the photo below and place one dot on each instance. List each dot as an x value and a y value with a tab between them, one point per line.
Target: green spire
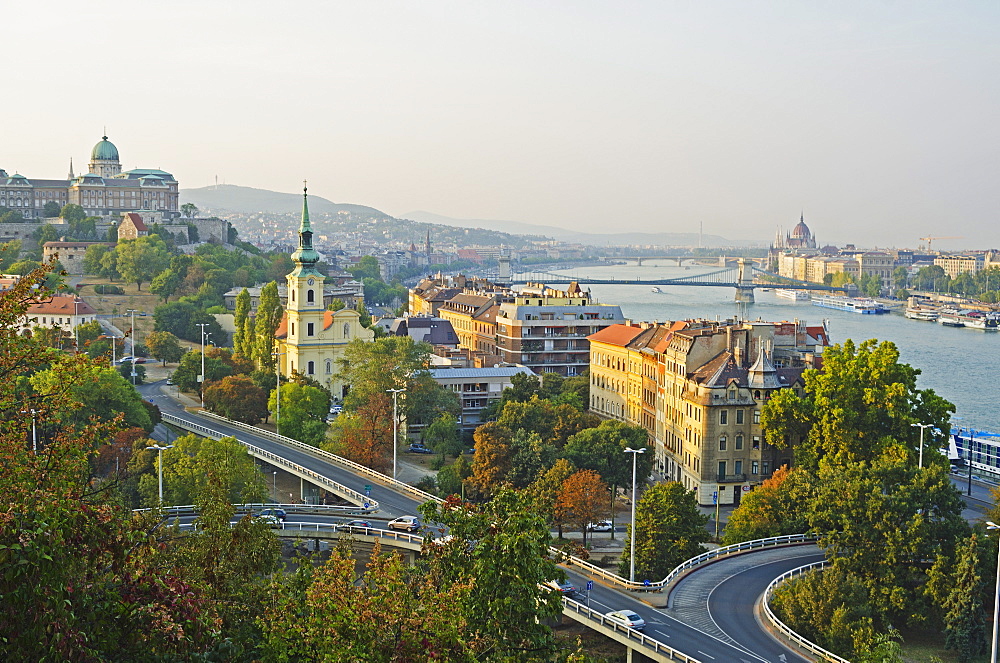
305	257
305	227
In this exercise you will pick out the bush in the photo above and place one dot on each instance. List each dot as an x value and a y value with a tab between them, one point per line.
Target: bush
428	484
103	289
437	463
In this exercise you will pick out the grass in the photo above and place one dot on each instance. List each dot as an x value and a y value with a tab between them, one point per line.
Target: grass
925	647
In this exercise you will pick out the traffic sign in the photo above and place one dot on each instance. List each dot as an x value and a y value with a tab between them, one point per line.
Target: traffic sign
367	505
715	497
590	585
368	490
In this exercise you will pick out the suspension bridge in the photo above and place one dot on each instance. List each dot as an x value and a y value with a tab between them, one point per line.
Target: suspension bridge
744	277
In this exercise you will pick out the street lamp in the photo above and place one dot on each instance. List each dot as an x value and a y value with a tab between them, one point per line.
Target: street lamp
201	378
76	322
132	330
996	598
395	427
920	464
277	390
159	464
275	486
34	431
635	454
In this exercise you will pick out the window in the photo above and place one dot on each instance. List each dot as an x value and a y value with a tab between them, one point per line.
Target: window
722	470
293	329
756	415
722	443
739	416
329	366
765	467
739	441
311	368
754	466
756	442
732	393
723	417
738	467
310	297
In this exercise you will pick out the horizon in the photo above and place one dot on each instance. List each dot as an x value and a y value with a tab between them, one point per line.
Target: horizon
876	122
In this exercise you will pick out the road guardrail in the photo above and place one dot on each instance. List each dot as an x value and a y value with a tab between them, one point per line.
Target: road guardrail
783	628
646	641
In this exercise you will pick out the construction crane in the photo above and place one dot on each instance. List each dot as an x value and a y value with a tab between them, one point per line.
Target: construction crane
931	239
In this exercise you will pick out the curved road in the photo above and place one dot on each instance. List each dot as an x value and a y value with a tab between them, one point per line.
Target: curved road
722	628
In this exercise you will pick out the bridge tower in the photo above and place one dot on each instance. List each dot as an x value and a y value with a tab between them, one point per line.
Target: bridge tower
744	282
503	273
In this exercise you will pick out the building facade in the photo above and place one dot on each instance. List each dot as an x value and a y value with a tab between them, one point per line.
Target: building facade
475	388
64	312
104	190
547	330
310	339
697	388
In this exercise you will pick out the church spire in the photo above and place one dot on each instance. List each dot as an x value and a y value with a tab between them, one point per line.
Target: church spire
71	175
305	225
305	257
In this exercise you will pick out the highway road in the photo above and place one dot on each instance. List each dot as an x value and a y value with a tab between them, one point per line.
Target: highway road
712	618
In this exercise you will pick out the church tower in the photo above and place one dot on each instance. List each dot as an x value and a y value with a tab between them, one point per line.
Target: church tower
305	310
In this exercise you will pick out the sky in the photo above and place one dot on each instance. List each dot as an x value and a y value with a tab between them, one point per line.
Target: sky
877	120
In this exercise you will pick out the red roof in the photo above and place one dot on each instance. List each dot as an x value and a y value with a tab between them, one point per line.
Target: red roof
61	305
619	334
137	221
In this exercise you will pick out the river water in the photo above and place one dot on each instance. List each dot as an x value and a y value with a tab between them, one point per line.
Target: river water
958	364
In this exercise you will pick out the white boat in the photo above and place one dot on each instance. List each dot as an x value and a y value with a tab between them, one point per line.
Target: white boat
655	289
918	313
859	305
794	295
951	318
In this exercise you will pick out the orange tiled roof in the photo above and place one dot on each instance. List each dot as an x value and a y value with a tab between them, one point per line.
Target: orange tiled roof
618	334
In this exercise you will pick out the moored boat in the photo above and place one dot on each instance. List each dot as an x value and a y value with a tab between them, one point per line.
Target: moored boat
854	305
919	313
789	293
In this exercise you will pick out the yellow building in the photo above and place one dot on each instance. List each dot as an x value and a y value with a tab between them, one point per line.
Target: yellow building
312	340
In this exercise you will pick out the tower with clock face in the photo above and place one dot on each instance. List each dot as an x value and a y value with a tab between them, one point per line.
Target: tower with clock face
311	339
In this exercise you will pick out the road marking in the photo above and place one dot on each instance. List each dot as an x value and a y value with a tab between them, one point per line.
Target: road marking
706	655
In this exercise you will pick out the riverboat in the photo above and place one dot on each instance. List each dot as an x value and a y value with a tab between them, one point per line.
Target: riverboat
919	313
655	289
854	305
951	318
794	295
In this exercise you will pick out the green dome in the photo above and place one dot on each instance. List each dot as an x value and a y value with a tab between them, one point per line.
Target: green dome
105	150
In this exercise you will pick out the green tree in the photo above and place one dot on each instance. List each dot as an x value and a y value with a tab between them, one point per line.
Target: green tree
336	305
186	374
241	344
451	479
442	436
45	233
861	403
303	412
109	265
266	324
189	210
88	332
669	529
367	267
98	391
140	259
9	251
964	612
92	258
51	209
183	320
778	506
164	346
602	449
73	213
544	492
165	284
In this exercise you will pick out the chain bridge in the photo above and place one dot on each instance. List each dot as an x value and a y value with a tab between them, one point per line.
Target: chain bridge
744	277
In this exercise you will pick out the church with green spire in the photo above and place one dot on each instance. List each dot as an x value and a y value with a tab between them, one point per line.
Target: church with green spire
311	338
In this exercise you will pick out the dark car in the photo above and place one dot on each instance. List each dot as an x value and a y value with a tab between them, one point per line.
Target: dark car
417	448
567	589
355	526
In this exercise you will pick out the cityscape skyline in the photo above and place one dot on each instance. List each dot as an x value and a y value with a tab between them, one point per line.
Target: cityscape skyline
873	120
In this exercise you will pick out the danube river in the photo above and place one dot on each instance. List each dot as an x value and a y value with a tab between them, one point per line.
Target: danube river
958	364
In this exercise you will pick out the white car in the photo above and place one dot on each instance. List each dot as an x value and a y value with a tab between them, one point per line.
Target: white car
627	618
405	523
600	526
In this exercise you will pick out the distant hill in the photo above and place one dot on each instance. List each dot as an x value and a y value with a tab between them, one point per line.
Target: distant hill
247	200
594	239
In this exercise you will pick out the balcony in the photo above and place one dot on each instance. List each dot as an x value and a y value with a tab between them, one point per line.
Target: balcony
730	478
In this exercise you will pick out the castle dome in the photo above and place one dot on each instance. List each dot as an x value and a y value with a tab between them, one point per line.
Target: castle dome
104	151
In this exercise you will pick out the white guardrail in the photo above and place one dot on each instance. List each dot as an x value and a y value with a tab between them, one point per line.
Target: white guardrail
307	529
325	509
630	633
783	628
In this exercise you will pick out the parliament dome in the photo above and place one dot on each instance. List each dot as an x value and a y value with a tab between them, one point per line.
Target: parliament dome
801	231
104	151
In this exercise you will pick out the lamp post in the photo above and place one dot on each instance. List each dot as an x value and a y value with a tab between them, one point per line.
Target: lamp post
159	464
920	463
34	432
996	598
635	454
76	322
972	438
275	486
395	427
132	330
277	390
201	378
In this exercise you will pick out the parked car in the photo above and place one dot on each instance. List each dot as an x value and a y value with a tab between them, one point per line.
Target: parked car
418	448
355	526
600	526
627	618
567	589
405	523
170	380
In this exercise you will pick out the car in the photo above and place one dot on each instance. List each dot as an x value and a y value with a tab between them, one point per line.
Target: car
170	380
405	523
600	526
336	409
627	618
567	589
126	358
269	518
276	513
354	526
140	360
417	448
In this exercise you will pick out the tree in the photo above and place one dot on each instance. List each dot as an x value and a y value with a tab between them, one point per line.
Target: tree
964	613
241	343
51	209
544	492
451	479
165	284
862	402
189	210
164	346
183	320
45	233
442	436
237	397
266	324
186	374
98	392
367	267
336	305
109	265
303	410
9	252
140	259
776	507
364	435
669	529
602	449
529	457
88	332
73	213
583	499
493	457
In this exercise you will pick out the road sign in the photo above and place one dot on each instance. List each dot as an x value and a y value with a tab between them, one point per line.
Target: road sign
646	583
367	505
368	490
746	489
715	497
590	585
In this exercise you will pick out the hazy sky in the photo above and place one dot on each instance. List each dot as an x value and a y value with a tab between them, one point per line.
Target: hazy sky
879	119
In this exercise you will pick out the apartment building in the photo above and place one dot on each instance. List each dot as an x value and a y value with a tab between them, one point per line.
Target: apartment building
697	387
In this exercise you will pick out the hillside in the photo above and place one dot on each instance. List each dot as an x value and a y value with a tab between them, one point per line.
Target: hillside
247	200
